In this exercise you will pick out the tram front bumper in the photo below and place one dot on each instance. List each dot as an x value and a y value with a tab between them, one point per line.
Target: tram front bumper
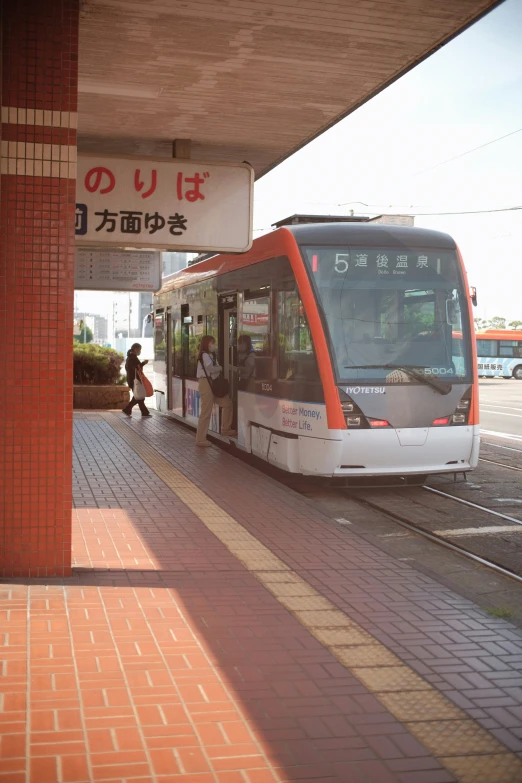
415	451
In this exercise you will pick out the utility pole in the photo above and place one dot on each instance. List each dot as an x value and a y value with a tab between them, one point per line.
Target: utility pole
113	323
130	310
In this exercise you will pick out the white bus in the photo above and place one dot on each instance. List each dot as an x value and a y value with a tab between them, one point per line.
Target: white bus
499	353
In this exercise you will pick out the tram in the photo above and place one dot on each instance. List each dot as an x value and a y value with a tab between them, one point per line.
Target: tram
360	345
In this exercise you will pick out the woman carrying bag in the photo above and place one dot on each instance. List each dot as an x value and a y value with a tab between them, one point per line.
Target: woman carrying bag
134	370
212	389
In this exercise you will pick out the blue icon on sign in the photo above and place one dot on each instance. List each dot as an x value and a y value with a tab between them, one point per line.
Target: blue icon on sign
81	220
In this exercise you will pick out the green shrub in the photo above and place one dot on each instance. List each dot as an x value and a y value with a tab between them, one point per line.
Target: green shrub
96	365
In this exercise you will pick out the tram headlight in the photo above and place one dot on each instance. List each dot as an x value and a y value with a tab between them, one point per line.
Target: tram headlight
459	418
461	414
353	415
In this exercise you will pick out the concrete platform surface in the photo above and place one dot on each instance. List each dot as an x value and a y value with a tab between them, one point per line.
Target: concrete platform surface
219	629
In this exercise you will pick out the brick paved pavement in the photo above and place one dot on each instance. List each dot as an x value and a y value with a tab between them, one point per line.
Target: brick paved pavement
166	658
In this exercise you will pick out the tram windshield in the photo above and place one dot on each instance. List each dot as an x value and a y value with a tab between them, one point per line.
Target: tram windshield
392	308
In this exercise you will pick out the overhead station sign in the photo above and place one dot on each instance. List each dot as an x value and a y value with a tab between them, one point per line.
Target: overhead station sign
163	204
117	270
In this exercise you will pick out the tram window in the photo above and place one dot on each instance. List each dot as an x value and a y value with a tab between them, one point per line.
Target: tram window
419	313
212	326
255	323
296	354
193	350
385	305
177	359
189	351
159	337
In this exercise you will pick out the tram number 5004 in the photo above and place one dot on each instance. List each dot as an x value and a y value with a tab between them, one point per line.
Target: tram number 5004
341	262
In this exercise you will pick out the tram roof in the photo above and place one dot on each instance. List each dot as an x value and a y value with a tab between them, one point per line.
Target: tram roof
268	246
252	80
361	233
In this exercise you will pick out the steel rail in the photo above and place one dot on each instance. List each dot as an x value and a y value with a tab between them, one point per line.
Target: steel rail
438	539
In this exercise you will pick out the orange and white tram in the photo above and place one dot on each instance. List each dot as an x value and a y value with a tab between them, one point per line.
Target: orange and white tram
361	362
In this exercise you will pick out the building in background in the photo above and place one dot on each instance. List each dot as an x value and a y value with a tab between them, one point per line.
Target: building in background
99	326
125	315
174	262
388	220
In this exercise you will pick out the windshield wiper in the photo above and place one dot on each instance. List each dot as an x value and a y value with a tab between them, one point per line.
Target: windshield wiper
412	371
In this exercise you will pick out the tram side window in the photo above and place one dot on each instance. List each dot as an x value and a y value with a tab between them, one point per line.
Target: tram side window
487	348
212	326
159	337
255	323
193	349
510	349
177	359
189	343
296	354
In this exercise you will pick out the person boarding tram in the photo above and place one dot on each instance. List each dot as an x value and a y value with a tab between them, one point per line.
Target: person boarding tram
209	375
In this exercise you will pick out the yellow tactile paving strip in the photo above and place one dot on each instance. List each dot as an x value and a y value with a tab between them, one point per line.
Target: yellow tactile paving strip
470	752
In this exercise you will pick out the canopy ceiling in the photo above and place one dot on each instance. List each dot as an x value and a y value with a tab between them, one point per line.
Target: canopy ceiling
246	80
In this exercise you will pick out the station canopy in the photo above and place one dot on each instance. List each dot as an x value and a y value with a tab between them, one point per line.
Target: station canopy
245	80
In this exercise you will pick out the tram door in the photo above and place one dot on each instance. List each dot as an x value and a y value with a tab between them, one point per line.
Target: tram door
168	351
228	344
186	320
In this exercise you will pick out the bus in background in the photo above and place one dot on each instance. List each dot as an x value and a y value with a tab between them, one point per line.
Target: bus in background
147	326
499	353
362	340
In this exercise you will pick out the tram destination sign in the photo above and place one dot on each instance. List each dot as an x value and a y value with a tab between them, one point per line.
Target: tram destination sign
117	270
163	204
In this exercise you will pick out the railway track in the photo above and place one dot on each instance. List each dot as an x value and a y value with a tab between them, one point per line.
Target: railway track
406	522
368	500
499	446
501	464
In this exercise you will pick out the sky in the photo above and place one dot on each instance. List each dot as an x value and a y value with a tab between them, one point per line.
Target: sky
391	156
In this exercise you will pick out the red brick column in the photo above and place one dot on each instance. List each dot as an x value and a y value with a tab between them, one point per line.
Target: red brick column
38	182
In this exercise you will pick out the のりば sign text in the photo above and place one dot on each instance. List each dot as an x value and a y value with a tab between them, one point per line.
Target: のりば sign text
163	203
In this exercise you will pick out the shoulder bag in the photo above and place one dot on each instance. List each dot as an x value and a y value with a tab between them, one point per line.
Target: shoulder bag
219	385
138	389
147	385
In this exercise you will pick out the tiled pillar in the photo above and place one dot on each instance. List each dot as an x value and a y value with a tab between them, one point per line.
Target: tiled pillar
38	181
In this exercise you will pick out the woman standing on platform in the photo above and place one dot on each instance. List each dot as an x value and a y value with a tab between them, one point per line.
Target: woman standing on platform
208	370
133	367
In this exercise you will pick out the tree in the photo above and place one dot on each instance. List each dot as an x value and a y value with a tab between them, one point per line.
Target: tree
497	323
480	324
515	324
85	336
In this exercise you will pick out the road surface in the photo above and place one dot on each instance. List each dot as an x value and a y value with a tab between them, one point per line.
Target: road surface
501	408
